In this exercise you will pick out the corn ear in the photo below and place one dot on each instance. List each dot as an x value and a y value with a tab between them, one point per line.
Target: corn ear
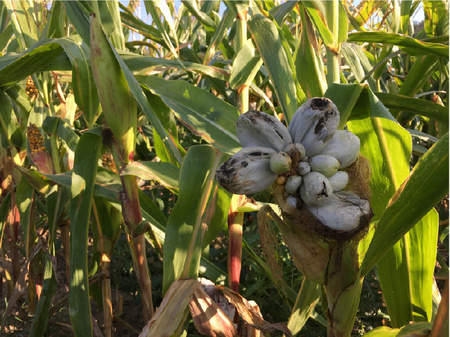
119	106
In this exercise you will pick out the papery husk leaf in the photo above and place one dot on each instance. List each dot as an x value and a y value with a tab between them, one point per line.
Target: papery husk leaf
170	313
209	318
249	330
310	257
249	314
309	240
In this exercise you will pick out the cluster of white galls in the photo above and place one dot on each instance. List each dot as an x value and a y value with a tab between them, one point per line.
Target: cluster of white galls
313	138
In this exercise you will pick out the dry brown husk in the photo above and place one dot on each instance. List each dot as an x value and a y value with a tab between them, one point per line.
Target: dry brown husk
317	249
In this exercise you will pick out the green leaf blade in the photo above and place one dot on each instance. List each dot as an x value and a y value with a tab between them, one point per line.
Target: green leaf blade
82	191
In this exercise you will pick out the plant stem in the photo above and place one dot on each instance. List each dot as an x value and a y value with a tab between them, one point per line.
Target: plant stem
342	312
106	281
343	291
241	39
332	14
65	239
132	214
235	250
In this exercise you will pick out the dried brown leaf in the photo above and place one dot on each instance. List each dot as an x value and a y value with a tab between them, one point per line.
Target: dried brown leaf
208	318
170	313
249	314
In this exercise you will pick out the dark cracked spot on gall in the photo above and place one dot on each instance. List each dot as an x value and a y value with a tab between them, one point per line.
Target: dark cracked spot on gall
257	154
319	125
319	103
324	190
226	171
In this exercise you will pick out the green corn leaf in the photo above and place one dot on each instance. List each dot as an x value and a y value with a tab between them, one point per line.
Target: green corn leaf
109	219
47	62
55	27
5	36
375	133
343	24
79	17
281	11
411	202
128	83
151	7
405	15
131	21
307	298
118	104
365	10
203	113
152	211
308	60
353	61
401	266
168	120
5	208
109	14
245	66
82	191
355	102
107	184
18	95
408	44
286	292
360	55
25	29
8	123
137	63
182	246
414	106
165	11
83	83
317	15
216	214
40	321
201	16
15	69
268	41
418	75
166	173
408	290
414	329
25	204
210	270
415	80
66	133
436	17
386	52
219	36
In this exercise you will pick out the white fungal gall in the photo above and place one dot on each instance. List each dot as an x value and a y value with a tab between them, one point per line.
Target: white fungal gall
304	168
343	212
315	189
247	172
296	147
325	164
344	146
256	128
292	184
314	124
280	162
292	201
339	180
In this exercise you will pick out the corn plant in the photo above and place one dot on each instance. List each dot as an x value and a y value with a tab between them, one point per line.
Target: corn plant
236	110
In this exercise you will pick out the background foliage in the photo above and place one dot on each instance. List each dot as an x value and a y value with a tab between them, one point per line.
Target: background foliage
119	199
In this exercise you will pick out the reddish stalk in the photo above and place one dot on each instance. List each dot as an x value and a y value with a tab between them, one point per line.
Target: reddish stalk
235	226
132	215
